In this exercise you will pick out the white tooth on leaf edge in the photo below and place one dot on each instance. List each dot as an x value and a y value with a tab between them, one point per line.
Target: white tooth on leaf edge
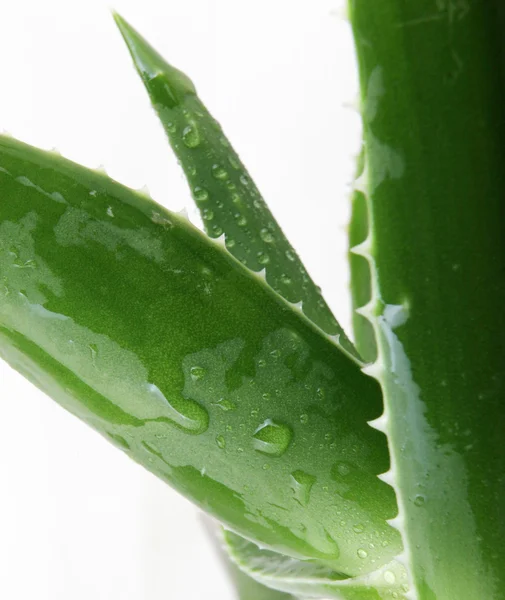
367	310
374	370
381	424
184	214
387	477
364	249
361	183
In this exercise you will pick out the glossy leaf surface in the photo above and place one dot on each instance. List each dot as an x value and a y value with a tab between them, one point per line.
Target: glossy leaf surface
434	129
308	579
223	190
153	334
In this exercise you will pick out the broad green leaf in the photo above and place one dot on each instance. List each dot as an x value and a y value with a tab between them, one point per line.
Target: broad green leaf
158	338
310	579
361	290
223	190
433	93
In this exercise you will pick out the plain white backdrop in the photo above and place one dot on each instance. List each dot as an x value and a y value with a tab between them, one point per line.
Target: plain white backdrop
78	519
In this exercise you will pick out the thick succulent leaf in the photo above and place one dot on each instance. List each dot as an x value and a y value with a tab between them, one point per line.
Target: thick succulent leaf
246	587
310	579
432	77
361	285
153	334
223	190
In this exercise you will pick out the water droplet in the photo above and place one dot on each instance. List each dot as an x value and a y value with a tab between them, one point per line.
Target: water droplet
230	242
244	180
219	172
221	442
286	279
389	577
185	414
359	528
197	373
304	418
266	466
241	220
191	136
216	230
171	127
341	469
419	500
200	194
301	484
234	162
110	212
262	362
266	396
266	235
320	393
275	353
263	258
254	412
230	185
290	255
225	405
208	214
272	438
362	553
223	141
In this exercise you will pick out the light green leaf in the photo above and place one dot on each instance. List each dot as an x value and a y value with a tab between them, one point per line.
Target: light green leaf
158	338
310	579
223	190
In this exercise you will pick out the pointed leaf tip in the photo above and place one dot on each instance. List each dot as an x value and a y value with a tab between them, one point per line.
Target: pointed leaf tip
166	84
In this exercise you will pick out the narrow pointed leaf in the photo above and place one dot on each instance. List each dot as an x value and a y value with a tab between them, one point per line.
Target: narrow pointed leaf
154	335
309	579
432	77
223	190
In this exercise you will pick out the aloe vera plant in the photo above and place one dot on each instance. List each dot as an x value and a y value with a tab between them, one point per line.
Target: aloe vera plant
371	469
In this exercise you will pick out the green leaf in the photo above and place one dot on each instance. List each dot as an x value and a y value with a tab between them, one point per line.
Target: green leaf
434	128
223	190
361	287
246	587
154	335
310	579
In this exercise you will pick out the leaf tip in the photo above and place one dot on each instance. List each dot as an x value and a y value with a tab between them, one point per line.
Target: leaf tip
165	84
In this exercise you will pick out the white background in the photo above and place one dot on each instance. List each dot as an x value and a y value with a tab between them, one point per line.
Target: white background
78	520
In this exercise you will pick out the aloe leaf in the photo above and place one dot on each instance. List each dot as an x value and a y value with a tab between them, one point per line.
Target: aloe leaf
434	129
223	190
157	337
361	287
246	587
309	579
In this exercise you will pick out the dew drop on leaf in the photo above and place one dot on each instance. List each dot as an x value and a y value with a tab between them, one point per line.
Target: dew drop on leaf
200	194
266	235
191	136
219	172
272	438
362	553
389	577
197	373
220	441
301	484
